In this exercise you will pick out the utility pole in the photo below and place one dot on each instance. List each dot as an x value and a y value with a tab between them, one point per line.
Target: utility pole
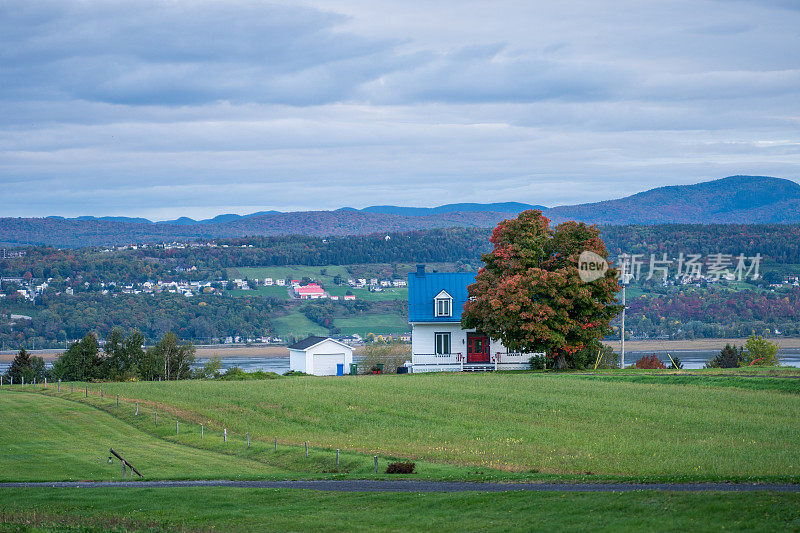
622	330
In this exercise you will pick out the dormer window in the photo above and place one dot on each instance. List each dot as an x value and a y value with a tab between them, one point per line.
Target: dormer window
443	304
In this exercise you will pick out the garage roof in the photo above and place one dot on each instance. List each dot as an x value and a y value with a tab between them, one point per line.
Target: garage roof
308	342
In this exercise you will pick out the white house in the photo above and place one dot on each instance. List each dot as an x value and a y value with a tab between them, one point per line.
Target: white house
438	342
320	356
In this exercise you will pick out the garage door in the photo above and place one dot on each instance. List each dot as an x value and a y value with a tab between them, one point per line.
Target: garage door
325	363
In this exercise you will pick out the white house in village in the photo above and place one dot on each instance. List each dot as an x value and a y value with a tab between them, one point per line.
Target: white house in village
438	342
320	356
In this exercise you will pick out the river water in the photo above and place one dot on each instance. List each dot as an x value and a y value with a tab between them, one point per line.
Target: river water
691	359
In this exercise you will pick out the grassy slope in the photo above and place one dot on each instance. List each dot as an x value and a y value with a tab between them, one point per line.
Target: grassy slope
231	509
378	324
50	439
297	324
559	424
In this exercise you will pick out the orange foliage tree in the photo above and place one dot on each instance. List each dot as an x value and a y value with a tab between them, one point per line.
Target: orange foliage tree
530	296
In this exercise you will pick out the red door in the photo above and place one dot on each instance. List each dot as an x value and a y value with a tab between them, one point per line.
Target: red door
477	348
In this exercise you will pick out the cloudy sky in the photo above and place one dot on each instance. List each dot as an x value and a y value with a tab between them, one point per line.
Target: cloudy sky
163	109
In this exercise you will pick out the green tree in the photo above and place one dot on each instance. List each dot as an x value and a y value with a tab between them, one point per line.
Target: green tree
758	351
25	366
729	357
530	296
81	361
177	358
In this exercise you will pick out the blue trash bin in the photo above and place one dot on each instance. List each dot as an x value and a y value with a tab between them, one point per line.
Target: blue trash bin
340	369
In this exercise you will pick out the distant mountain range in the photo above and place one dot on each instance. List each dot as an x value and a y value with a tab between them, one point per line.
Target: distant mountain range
736	199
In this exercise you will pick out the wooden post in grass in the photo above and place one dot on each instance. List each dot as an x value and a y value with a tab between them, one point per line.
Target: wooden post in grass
225	435
248	439
12	380
376	464
117	400
59	386
136	413
23	381
337	457
176	427
86	391
201	431
306	449
34	383
156	417
101	393
276	444
45	383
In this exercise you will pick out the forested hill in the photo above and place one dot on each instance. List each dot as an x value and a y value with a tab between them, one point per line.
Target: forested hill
779	244
732	200
736	199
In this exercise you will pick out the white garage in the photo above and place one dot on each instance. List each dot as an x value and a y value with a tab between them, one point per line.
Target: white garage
320	356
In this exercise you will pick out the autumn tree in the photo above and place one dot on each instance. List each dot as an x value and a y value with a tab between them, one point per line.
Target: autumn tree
530	296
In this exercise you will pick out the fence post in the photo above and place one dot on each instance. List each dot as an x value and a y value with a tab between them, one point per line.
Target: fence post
176	427
137	410
306	448
156	417
201	431
45	383
34	383
376	464
276	444
225	435
86	391
59	386
117	400
23	380
12	380
71	387
248	439
101	393
337	456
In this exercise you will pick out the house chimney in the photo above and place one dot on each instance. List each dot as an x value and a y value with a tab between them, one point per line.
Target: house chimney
420	271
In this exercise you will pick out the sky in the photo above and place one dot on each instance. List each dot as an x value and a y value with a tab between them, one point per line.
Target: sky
163	109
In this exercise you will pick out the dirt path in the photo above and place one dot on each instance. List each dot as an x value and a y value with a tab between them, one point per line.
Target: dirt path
360	485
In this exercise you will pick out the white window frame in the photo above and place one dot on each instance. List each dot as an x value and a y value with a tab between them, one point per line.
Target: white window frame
445	337
443	299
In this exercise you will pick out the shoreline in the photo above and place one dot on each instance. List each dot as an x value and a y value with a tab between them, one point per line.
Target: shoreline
693	344
271	351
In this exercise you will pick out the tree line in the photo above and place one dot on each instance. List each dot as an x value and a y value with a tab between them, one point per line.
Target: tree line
122	358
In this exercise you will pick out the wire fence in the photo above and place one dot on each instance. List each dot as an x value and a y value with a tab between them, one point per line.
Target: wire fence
210	435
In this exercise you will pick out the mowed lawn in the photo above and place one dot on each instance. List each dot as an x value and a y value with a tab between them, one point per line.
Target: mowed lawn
235	509
547	423
52	439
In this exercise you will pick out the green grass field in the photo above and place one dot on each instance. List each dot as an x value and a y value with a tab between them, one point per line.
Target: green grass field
523	424
51	439
289	272
654	426
297	324
373	323
232	509
261	292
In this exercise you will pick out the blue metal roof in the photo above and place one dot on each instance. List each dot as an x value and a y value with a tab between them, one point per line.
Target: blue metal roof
423	288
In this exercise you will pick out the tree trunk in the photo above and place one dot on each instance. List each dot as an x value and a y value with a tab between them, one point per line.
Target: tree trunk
560	362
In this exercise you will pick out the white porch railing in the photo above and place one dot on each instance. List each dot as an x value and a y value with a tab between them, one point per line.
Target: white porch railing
512	360
439	362
454	362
